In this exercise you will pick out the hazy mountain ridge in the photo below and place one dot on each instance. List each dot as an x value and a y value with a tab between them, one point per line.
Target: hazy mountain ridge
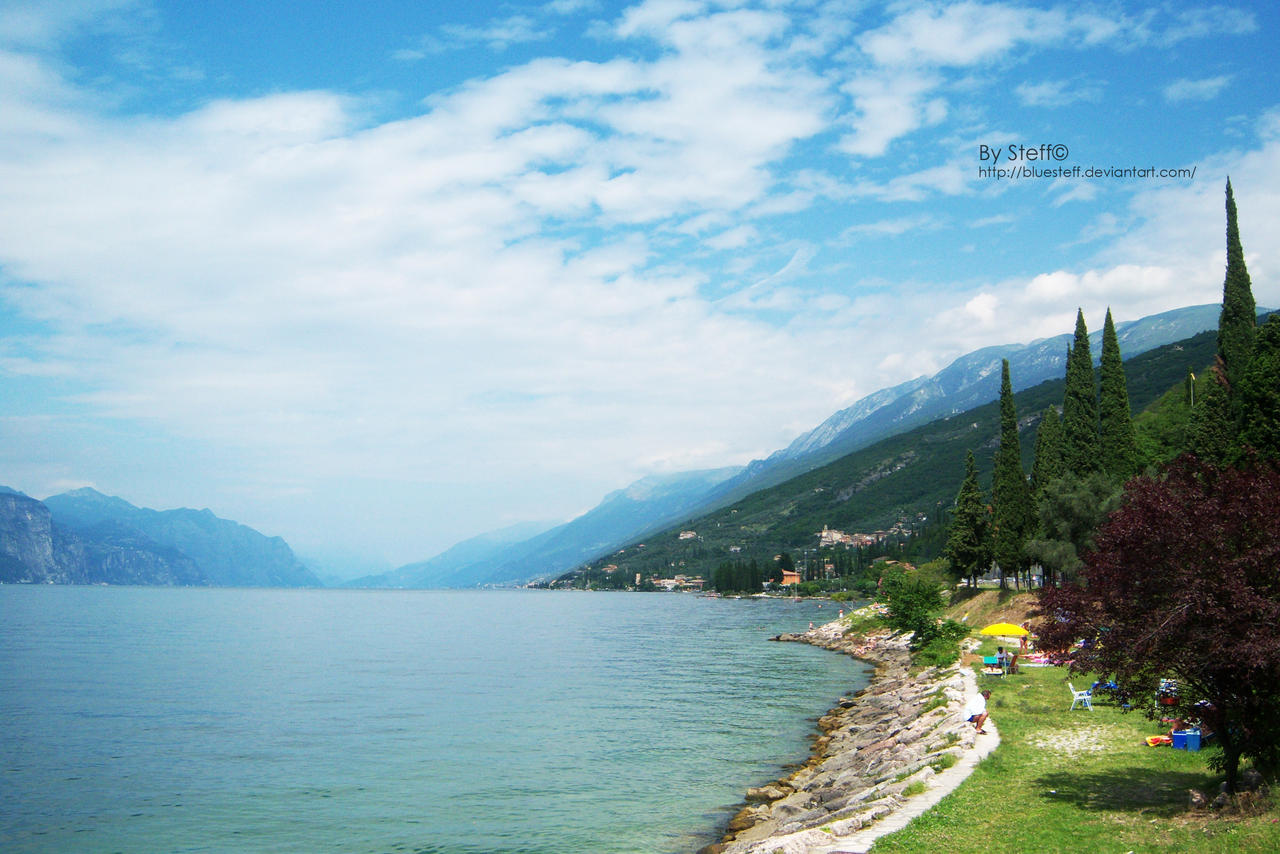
85	537
441	570
88	536
626	513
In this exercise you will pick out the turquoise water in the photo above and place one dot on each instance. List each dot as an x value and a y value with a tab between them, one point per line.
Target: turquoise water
395	721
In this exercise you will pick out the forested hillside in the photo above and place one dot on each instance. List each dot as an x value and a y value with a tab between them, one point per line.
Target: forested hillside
899	480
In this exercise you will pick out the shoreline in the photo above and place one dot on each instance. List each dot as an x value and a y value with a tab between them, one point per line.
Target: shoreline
880	759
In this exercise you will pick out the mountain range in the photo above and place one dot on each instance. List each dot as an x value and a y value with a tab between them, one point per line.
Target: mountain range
85	537
656	502
909	479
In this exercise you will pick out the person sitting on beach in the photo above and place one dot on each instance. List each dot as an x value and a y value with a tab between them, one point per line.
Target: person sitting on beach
976	711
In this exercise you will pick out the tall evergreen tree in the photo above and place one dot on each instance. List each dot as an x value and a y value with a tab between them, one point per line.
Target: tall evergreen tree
1009	492
1080	406
967	541
1117	447
1218	416
1236	323
1048	465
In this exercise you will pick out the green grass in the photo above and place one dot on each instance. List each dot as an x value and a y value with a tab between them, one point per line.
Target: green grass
1080	781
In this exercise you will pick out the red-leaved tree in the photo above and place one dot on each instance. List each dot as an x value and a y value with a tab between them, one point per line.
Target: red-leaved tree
1184	584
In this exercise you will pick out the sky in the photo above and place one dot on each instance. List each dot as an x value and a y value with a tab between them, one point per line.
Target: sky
377	277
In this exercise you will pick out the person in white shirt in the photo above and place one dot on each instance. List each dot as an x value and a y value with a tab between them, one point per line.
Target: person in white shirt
975	711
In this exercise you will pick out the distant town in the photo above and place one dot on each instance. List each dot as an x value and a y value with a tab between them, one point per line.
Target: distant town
816	563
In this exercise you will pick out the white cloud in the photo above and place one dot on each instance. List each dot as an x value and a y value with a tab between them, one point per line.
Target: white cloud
42	23
890	227
734	238
1204	89
1056	93
952	179
655	17
1198	22
887	107
961	34
500	34
570	7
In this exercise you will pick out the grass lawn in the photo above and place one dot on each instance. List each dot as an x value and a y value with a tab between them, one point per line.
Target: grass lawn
1080	781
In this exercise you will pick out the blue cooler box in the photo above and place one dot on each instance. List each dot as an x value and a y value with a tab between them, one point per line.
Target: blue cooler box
1186	739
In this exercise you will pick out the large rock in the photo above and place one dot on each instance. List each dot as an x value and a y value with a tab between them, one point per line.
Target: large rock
26	541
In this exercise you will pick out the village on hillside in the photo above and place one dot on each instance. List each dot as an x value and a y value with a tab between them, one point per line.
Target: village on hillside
816	562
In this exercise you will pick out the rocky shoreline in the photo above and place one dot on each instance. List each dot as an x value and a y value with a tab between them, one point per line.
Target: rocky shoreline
879	752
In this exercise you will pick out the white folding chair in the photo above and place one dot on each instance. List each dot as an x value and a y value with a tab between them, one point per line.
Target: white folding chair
1084	698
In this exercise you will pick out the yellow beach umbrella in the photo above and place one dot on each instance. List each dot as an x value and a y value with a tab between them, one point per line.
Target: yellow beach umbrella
1005	629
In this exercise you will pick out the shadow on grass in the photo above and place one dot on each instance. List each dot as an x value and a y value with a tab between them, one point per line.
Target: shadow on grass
964	594
1135	789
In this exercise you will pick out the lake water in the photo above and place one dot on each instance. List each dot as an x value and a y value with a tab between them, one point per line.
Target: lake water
148	719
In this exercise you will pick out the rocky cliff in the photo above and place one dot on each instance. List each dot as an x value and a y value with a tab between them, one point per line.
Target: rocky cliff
26	541
84	537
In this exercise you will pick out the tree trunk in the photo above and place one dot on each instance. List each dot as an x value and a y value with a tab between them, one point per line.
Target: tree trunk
1230	757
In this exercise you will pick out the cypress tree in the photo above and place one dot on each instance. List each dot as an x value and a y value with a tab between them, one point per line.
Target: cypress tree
1080	406
967	544
1009	492
1218	416
1238	319
1048	465
1117	446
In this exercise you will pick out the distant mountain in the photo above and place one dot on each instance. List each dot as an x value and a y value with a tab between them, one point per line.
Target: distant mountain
336	566
85	537
654	503
451	568
650	502
36	550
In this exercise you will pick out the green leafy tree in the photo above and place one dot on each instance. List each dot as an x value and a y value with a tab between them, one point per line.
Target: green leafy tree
968	546
1010	495
1117	448
1237	322
1213	433
1163	429
1071	510
1048	465
773	570
914	602
1258	393
1080	405
1154	611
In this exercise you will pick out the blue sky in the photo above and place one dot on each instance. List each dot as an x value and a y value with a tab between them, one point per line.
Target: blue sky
376	277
